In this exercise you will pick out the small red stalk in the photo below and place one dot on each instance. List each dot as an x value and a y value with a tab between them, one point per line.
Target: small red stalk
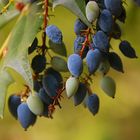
86	42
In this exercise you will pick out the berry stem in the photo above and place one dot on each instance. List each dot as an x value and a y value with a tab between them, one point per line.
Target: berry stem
46	4
25	93
89	90
86	42
46	14
86	80
51	107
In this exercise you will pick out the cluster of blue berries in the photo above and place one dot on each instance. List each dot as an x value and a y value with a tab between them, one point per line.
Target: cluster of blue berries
26	106
92	46
47	80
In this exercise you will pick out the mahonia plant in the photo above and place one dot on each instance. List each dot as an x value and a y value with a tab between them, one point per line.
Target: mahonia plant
96	24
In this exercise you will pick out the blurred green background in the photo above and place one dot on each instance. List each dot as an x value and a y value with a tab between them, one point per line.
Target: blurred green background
118	119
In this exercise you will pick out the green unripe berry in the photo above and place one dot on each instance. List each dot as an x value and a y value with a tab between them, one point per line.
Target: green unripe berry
92	11
35	104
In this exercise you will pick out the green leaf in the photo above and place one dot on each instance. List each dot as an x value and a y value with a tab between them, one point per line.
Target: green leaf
58	48
7	17
5	81
59	64
75	6
21	37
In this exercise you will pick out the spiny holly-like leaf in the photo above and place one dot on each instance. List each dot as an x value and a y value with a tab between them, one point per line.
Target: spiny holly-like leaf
76	6
5	81
5	18
21	37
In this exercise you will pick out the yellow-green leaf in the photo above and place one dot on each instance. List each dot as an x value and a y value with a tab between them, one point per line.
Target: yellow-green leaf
75	6
5	81
21	37
7	17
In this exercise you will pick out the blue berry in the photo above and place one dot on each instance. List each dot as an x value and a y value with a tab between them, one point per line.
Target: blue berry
79	27
105	21
115	6
25	116
78	46
101	41
54	34
50	84
55	73
38	63
93	103
93	60
80	94
115	62
44	96
75	65
13	102
127	49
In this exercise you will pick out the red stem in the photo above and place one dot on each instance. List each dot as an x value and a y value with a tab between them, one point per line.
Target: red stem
46	14
45	25
51	107
86	42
